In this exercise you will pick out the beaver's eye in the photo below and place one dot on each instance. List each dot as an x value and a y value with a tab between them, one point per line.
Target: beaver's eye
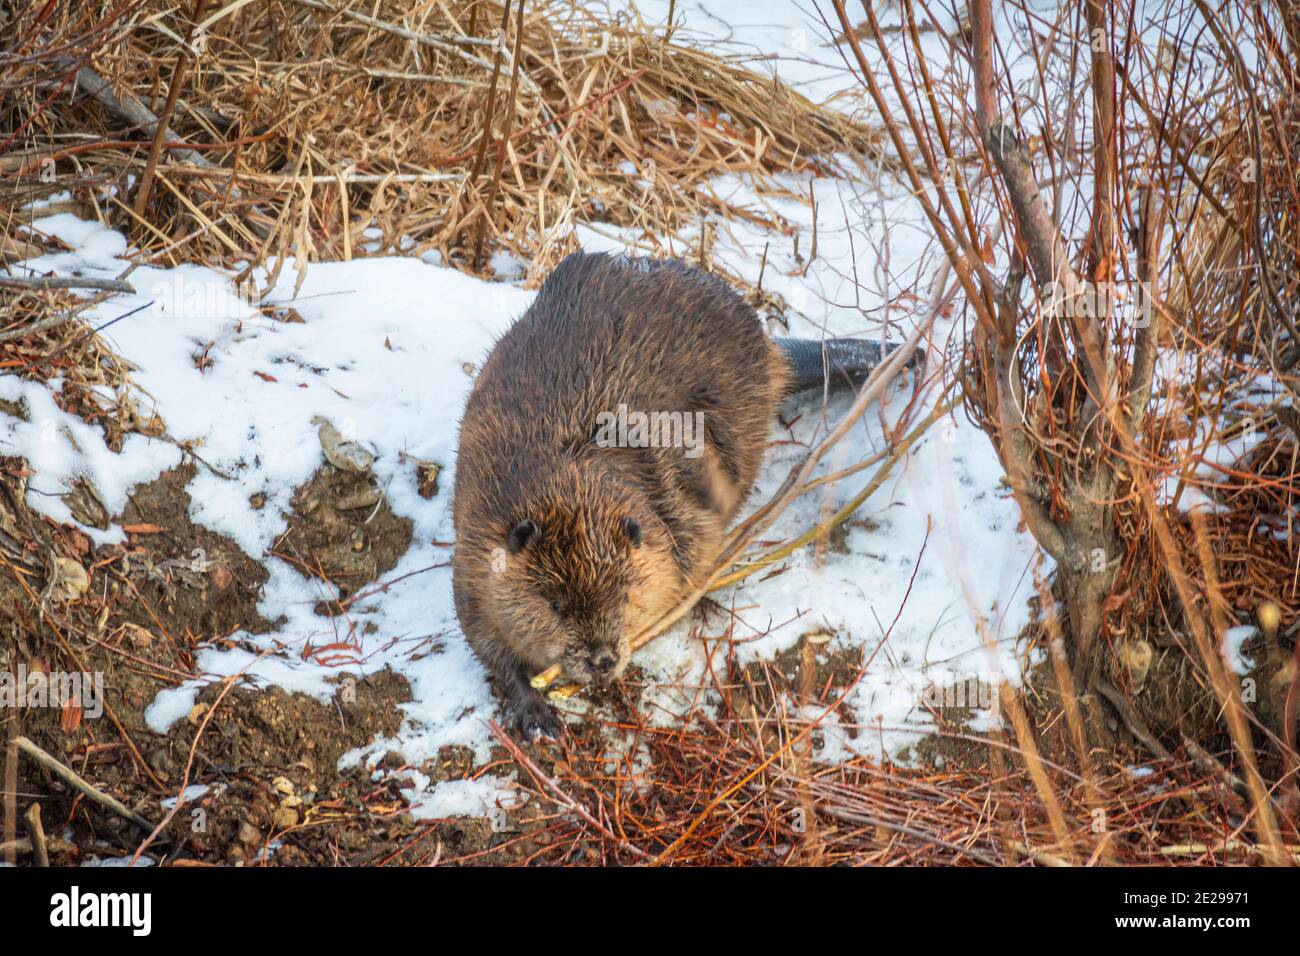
557	607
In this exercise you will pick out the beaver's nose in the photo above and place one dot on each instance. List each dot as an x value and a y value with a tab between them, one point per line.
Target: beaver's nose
603	661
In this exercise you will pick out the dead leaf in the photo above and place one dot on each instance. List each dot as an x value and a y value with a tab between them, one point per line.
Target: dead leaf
986	250
70	717
221	577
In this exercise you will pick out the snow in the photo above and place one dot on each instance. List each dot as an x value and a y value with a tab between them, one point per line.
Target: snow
60	448
459	798
194	791
385	353
1233	639
171	705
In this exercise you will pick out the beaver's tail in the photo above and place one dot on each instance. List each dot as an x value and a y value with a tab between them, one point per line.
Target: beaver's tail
833	362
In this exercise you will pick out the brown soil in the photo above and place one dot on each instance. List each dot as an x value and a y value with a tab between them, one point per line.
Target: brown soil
180	576
341	530
268	757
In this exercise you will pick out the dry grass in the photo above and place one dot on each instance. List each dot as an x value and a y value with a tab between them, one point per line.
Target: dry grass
331	133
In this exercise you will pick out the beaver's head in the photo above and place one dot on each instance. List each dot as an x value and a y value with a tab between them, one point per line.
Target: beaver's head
566	575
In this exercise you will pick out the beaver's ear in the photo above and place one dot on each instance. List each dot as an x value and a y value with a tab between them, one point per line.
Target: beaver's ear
633	531
520	535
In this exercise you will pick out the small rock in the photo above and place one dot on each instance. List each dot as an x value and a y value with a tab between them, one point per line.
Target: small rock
160	760
221	577
365	498
285	817
340	452
248	833
68	580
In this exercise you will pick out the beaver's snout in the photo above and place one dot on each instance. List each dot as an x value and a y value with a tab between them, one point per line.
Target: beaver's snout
600	665
602	662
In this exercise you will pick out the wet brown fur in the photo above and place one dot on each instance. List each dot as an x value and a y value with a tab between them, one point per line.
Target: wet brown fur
656	337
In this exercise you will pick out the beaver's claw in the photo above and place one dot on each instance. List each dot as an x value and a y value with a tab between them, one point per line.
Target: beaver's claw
534	718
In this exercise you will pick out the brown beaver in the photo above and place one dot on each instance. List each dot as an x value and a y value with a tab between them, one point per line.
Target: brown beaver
576	523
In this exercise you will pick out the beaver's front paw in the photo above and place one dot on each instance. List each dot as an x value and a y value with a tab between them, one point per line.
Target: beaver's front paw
533	717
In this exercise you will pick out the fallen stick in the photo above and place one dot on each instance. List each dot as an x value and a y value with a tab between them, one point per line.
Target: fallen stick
21	845
130	109
24	845
1222	846
37	834
76	781
66	282
1132	720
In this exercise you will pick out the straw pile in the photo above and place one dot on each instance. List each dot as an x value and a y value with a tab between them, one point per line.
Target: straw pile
323	129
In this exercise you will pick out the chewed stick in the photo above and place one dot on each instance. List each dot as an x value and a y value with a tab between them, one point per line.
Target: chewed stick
547	677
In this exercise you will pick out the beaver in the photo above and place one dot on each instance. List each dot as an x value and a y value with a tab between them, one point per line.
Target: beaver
611	437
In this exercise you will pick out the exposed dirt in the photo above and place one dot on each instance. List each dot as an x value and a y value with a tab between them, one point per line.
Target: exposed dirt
267	758
342	530
181	575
